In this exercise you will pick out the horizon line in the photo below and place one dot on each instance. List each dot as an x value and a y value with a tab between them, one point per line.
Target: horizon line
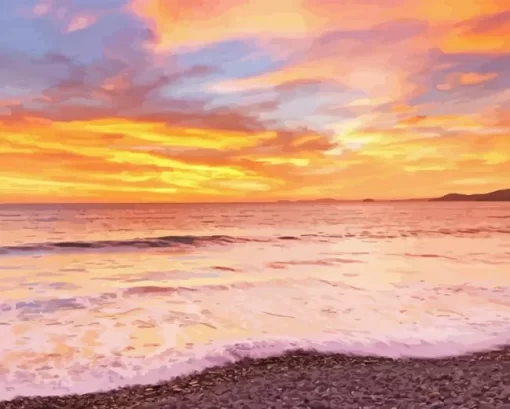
278	201
322	200
274	201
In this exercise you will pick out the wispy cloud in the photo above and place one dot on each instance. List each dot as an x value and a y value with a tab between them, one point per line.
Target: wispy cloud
164	100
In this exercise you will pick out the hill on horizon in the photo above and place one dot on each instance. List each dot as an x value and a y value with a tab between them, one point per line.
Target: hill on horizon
502	195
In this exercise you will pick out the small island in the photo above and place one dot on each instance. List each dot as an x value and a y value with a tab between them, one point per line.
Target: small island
497	196
368	200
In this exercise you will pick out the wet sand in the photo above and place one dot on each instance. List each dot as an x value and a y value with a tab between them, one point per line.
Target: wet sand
315	381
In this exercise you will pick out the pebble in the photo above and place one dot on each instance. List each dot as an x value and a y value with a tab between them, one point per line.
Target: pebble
505	393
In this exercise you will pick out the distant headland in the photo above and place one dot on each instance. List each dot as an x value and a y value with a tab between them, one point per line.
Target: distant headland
496	196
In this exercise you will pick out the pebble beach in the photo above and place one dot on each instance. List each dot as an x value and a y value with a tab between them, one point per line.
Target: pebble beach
309	380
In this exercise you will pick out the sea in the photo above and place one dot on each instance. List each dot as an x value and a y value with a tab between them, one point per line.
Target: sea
94	297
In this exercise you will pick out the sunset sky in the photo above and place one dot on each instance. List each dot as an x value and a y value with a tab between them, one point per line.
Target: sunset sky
234	100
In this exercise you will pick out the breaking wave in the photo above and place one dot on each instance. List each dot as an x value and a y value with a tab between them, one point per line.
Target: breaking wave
125	371
141	243
179	241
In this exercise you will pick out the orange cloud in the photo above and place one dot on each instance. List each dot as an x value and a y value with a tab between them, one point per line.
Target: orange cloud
467	78
487	34
473	78
115	159
171	19
447	122
460	26
119	157
364	14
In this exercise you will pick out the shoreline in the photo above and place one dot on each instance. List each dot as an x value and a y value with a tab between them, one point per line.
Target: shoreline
304	379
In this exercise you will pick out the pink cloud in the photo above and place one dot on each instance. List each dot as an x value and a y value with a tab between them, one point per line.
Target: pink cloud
81	22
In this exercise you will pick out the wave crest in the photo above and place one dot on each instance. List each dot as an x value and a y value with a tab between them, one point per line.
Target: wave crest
149	242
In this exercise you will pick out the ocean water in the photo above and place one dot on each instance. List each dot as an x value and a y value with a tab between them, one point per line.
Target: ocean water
93	297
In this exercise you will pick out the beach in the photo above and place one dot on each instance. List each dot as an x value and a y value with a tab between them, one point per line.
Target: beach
315	381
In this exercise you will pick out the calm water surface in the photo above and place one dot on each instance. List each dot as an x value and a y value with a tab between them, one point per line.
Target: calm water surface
94	297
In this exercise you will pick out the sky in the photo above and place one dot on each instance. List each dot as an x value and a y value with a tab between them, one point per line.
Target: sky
252	100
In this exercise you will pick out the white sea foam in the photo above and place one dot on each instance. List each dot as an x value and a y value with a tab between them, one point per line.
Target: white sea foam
89	377
151	337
